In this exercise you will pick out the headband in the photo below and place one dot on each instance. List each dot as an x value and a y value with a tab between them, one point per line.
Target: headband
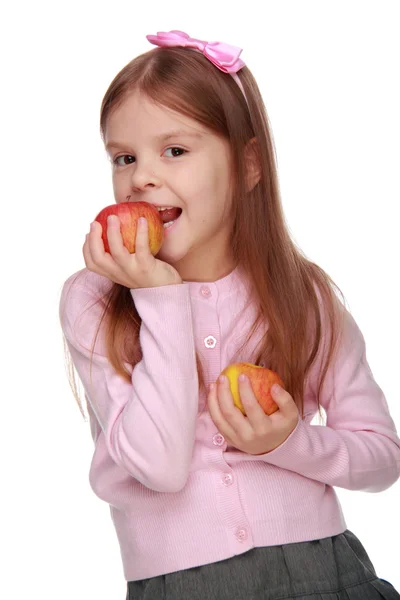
224	56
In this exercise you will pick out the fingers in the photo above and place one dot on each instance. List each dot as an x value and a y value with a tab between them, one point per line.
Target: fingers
142	246
87	253
217	416
230	413
95	243
287	407
256	433
96	258
118	251
254	412
137	270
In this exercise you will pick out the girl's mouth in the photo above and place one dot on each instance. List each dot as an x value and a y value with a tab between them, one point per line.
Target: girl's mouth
170	215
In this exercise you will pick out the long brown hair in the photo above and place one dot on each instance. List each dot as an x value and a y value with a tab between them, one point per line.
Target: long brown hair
293	293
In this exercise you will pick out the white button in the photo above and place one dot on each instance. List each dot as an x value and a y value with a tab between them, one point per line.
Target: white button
241	535
218	440
227	479
210	342
205	291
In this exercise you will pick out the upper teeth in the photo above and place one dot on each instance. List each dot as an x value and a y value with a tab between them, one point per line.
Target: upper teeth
164	207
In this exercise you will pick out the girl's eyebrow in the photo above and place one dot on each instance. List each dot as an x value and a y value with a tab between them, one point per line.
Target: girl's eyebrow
178	133
161	138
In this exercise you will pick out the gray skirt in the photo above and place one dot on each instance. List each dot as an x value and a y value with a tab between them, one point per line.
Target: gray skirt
333	568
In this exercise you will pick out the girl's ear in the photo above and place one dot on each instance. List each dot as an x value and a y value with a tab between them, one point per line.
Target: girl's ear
253	166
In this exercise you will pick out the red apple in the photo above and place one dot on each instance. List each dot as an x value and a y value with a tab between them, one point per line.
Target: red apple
262	380
129	213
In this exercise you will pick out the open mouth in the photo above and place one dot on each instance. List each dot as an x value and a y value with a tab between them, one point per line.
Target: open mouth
169	215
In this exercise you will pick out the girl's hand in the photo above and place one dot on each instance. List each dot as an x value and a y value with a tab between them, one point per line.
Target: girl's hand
138	270
256	433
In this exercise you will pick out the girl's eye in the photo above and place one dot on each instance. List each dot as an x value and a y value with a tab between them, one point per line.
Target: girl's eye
127	159
175	151
123	164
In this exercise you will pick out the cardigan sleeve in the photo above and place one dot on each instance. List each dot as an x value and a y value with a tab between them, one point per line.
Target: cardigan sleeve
148	422
359	448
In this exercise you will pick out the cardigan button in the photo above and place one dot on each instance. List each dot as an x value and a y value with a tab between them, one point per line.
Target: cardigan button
210	341
241	535
227	479
205	291
218	440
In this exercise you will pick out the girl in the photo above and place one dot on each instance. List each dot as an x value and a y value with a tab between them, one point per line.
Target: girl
208	503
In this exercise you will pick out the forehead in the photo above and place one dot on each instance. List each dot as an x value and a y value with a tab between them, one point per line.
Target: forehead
138	115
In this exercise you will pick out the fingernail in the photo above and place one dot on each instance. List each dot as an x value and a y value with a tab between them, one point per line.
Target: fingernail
276	388
142	221
243	377
91	226
222	378
211	387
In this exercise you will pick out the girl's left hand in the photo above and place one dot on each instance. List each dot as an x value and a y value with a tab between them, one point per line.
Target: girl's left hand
255	433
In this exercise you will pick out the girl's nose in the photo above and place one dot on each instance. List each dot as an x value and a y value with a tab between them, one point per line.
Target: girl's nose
144	177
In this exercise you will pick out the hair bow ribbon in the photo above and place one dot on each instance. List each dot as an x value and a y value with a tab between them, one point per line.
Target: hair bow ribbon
224	56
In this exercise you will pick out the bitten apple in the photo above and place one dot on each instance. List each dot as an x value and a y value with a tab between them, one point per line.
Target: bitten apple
262	380
129	213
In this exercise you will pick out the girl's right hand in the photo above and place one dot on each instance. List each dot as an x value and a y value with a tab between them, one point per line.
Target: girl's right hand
138	270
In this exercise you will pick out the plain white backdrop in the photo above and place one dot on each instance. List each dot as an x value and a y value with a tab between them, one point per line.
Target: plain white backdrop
328	71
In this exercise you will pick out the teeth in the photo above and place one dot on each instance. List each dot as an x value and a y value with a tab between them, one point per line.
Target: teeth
164	207
166	225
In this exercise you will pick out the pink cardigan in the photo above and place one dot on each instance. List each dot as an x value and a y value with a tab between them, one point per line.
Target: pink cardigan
178	496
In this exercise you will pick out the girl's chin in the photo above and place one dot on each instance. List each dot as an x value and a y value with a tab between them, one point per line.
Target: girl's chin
169	255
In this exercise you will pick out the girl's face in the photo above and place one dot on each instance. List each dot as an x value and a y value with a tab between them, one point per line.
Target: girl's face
167	159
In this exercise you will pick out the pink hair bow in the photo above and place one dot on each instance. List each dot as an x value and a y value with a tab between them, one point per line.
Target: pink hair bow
222	55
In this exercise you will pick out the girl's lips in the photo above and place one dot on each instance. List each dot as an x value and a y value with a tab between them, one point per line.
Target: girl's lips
167	230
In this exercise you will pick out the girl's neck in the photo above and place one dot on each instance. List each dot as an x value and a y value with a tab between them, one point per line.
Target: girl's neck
208	270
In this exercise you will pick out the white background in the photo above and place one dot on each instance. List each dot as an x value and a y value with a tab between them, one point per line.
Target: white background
328	71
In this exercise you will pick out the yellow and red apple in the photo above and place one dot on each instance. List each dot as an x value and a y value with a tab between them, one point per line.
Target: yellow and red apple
262	380
129	213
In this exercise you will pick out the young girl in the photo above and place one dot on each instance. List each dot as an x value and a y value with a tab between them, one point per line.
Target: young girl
208	503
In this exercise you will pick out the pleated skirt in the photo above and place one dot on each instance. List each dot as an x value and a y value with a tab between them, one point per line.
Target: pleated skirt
333	568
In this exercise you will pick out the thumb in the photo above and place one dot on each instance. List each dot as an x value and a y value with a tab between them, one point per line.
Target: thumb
283	399
276	391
